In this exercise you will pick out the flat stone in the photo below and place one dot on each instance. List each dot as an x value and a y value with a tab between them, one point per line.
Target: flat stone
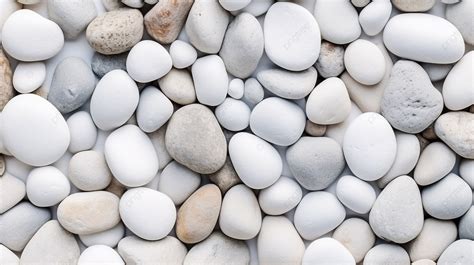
102	64
72	16
288	84
168	250
6	87
456	129
362	55
195	139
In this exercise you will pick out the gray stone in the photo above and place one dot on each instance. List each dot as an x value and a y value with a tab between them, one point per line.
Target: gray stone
102	64
158	140
6	87
136	251
288	84
314	129
243	45
330	62
178	86
315	161
397	214
51	245
448	198
226	177
12	190
253	92
112	4
20	223
410	102
195	139
72	85
218	249
72	16
456	129
414	5
459	253
387	254
115	31
360	3
466	225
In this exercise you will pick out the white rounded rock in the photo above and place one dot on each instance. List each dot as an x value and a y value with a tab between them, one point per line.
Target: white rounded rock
459	253
148	213
147	61
131	156
355	194
317	214
236	88
27	36
234	5
280	197
100	254
240	215
278	121
292	38
154	109
327	251
88	171
47	186
458	88
82	130
369	146
210	91
178	182
338	21
435	162
424	38
13	190
329	102
33	130
386	254
29	76
374	16
114	100
357	236
233	114
466	171
257	162
182	54
364	62
8	257
109	237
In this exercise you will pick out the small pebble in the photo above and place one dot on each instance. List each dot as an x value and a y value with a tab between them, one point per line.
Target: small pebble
327	251
109	237
435	162
47	186
355	194
211	92
236	88
154	109
182	54
281	197
13	190
82	131
168	250
466	225
6	87
100	254
72	16
414	5
330	62
88	171
457	87
134	3
314	129
338	21
148	61
233	115
357	236
178	86
362	55
253	92
226	177
460	252
178	182
455	131
102	64
460	15
29	76
386	254
374	17
288	84
232	5
466	171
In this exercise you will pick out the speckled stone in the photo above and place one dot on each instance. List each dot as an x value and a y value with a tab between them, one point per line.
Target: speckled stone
102	64
6	87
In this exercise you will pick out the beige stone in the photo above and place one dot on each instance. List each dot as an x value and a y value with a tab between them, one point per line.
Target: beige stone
6	87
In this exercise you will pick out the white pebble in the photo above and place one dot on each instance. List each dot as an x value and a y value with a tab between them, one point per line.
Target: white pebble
154	109
29	76
236	88
374	16
100	254
362	55
82	130
327	251
178	182
233	114
458	88
88	171
234	5
280	197
47	186
109	237
337	20
355	194
148	61
182	54
210	91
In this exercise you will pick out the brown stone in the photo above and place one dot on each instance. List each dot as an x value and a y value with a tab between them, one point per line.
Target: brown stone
226	177
6	87
165	20
314	129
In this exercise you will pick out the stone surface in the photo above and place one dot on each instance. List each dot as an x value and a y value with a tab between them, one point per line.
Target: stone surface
182	53
178	86
211	92
355	194
195	139
361	55
29	76
102	64
226	177
327	251
397	214
100	254
460	252
338	21
410	102
460	15
72	85
89	212
154	109
288	84
435	162
330	62
178	182
72	16
414	5
47	186
115	31
457	87
12	191
6	87
456	129
281	197
168	250
233	114
386	254
357	236
82	131
88	171
148	61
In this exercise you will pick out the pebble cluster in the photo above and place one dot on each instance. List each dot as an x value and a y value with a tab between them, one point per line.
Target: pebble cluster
208	132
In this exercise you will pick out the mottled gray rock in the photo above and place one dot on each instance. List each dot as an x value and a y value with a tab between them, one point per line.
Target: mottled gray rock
72	16
288	84
51	245
315	161
115	31
218	249
459	253
20	223
466	225
253	92
102	64
330	62
242	47
226	177
72	85
136	251
195	139
414	5
387	254
456	129
410	102
6	87
397	214
448	198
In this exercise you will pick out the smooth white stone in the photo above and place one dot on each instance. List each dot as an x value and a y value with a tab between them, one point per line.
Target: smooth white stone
114	100
178	86
364	62
7	256
458	88
178	182
7	7
182	54
148	213
17	168
317	214
131	156
109	237
459	253
337	20
386	254
435	162
280	197
240	215
29	76
355	194
369	146
236	88
82	130
327	251
47	186
278	121
169	251
258	8
147	61
257	162
210	91
292	37
33	130
374	16
357	236
337	131
466	171
437	72
329	102
28	36
424	38
13	190
233	114
234	5
154	109
99	254
88	171
288	84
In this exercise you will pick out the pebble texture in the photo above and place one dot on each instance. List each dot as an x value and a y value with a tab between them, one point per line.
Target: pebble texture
456	130
102	64
169	250
6	87
72	16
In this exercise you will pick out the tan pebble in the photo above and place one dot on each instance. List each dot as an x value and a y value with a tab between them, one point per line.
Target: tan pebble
6	87
116	188
429	133
314	129
226	177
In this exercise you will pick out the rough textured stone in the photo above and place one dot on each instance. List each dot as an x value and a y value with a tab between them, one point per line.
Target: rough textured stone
456	129
414	5
6	87
330	62
102	64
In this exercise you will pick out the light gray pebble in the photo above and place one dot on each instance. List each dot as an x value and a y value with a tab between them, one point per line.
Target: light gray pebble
460	15
466	225
288	84
387	254
178	86
414	5
330	62
459	253
102	64
168	250
410	102
456	129
133	3
112	4
314	129
253	92
360	3
72	85
158	140
72	16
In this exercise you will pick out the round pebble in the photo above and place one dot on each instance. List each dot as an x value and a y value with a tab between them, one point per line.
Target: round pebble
236	88
72	16
211	92
148	61
233	114
47	186
154	109
327	251
182	54
100	254
362	55
457	87
386	254
178	182
109	237
455	131
288	84
355	194
82	131
330	62
168	250
280	197
338	21
88	171
13	191
460	252
466	171
435	162
29	76
357	236
178	86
